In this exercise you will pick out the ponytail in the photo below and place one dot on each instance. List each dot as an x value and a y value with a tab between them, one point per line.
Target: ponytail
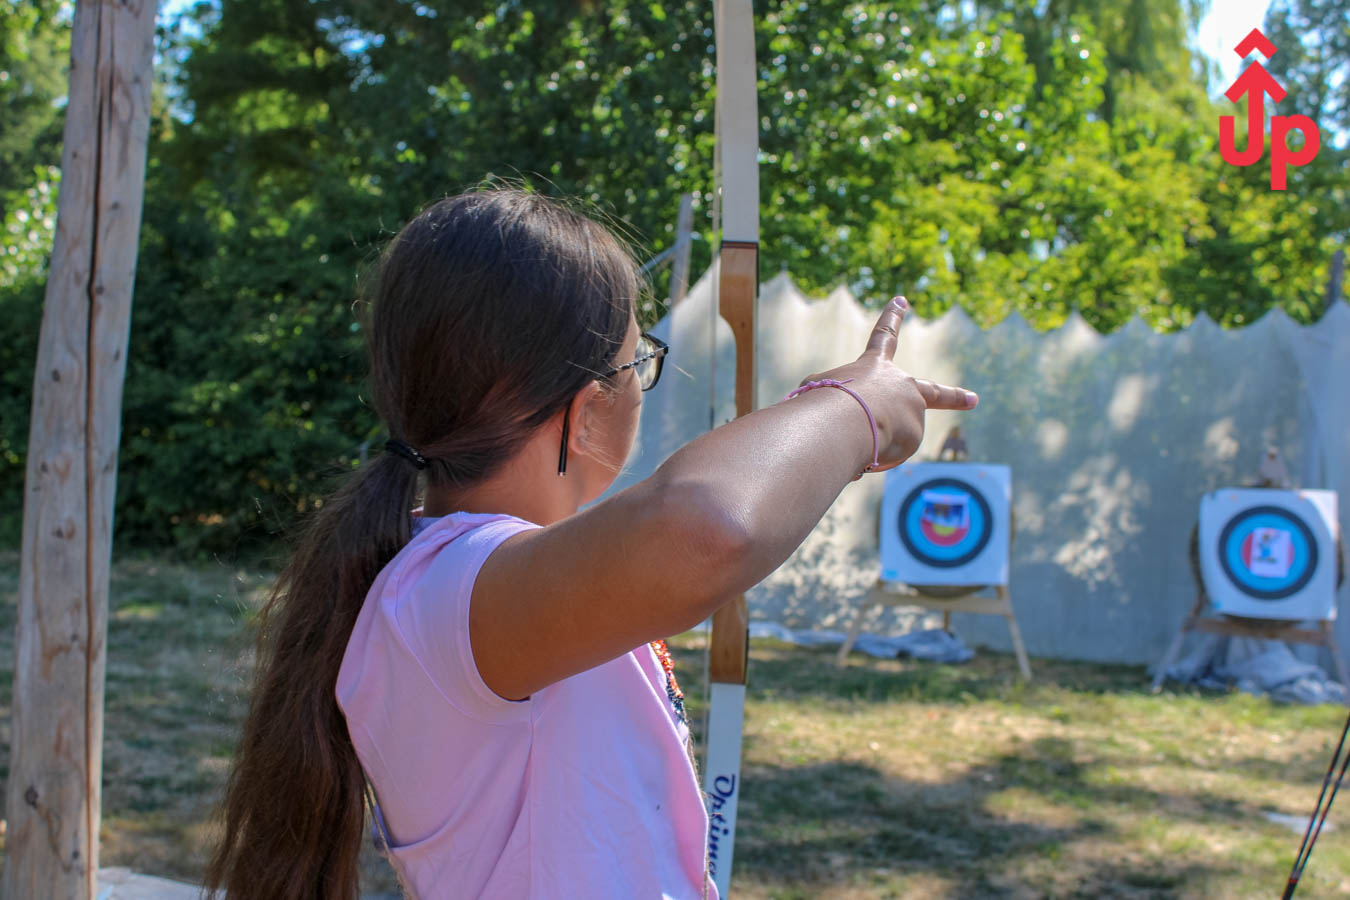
493	310
293	809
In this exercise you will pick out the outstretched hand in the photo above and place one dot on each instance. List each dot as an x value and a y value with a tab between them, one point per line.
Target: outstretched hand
897	399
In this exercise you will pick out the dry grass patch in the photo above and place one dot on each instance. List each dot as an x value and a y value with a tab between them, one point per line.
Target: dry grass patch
900	779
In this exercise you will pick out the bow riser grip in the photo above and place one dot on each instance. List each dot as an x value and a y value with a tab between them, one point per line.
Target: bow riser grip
737	287
728	646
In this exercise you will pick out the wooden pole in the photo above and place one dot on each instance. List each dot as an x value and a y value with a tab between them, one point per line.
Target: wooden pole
684	244
1335	277
53	796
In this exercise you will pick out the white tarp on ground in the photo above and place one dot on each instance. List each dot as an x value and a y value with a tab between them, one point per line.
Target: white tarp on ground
1112	440
1256	667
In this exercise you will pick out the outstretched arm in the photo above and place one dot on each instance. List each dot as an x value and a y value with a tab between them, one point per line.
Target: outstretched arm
720	514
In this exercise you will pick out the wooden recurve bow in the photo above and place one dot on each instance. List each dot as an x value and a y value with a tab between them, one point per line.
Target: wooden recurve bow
737	286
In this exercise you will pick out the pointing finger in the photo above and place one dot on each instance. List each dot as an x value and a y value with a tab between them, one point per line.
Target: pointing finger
882	340
940	396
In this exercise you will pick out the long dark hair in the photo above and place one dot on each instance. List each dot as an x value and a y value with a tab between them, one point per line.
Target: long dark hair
493	309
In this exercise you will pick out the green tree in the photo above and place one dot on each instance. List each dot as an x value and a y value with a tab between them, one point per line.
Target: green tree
1081	186
1146	39
1313	62
1313	65
1004	156
34	46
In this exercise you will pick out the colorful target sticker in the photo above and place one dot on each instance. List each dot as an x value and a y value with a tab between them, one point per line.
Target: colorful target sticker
1268	552
945	523
945	519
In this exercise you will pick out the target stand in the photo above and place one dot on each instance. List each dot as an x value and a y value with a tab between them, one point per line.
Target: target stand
1265	562
946	531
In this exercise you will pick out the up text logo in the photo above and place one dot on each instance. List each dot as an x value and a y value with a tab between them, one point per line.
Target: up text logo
1256	82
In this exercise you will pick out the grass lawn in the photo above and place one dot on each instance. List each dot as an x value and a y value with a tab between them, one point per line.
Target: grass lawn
881	779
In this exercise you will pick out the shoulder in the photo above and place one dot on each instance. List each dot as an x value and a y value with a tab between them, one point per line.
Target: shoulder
416	617
460	541
445	556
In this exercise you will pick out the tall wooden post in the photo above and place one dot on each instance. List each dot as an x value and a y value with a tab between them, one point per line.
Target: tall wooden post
53	797
684	245
1335	277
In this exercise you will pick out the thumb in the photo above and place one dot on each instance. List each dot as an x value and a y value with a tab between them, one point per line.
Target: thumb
883	338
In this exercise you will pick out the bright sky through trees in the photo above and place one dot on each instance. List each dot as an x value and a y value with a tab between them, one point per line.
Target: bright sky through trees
1227	23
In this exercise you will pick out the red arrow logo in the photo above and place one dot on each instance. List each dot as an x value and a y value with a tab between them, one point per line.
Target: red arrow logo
1256	81
1255	40
1256	84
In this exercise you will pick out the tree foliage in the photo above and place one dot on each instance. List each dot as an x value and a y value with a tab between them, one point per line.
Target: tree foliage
1312	63
1003	155
1313	59
34	43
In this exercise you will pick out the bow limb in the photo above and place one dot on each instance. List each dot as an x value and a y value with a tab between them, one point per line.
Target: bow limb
737	285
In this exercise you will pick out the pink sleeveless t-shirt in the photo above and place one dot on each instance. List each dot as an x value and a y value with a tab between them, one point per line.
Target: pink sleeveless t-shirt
583	790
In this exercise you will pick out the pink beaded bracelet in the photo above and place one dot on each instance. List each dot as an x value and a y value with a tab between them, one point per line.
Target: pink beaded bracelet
830	382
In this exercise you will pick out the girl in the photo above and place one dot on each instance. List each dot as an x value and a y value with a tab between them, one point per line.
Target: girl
485	663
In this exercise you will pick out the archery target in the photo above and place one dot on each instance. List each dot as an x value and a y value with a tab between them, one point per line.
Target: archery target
1270	554
946	524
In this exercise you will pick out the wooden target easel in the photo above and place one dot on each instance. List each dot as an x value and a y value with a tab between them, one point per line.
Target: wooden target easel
1204	619
1241	626
946	599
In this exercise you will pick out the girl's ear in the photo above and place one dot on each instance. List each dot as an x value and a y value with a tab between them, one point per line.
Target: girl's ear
585	420
592	425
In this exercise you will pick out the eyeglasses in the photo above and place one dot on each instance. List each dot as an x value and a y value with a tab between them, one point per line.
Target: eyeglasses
651	354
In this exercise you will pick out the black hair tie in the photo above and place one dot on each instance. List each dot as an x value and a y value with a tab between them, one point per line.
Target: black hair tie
407	452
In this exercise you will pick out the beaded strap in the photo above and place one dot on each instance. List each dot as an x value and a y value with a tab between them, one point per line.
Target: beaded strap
830	382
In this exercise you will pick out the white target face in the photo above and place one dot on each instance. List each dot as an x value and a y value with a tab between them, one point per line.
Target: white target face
946	524
1270	554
